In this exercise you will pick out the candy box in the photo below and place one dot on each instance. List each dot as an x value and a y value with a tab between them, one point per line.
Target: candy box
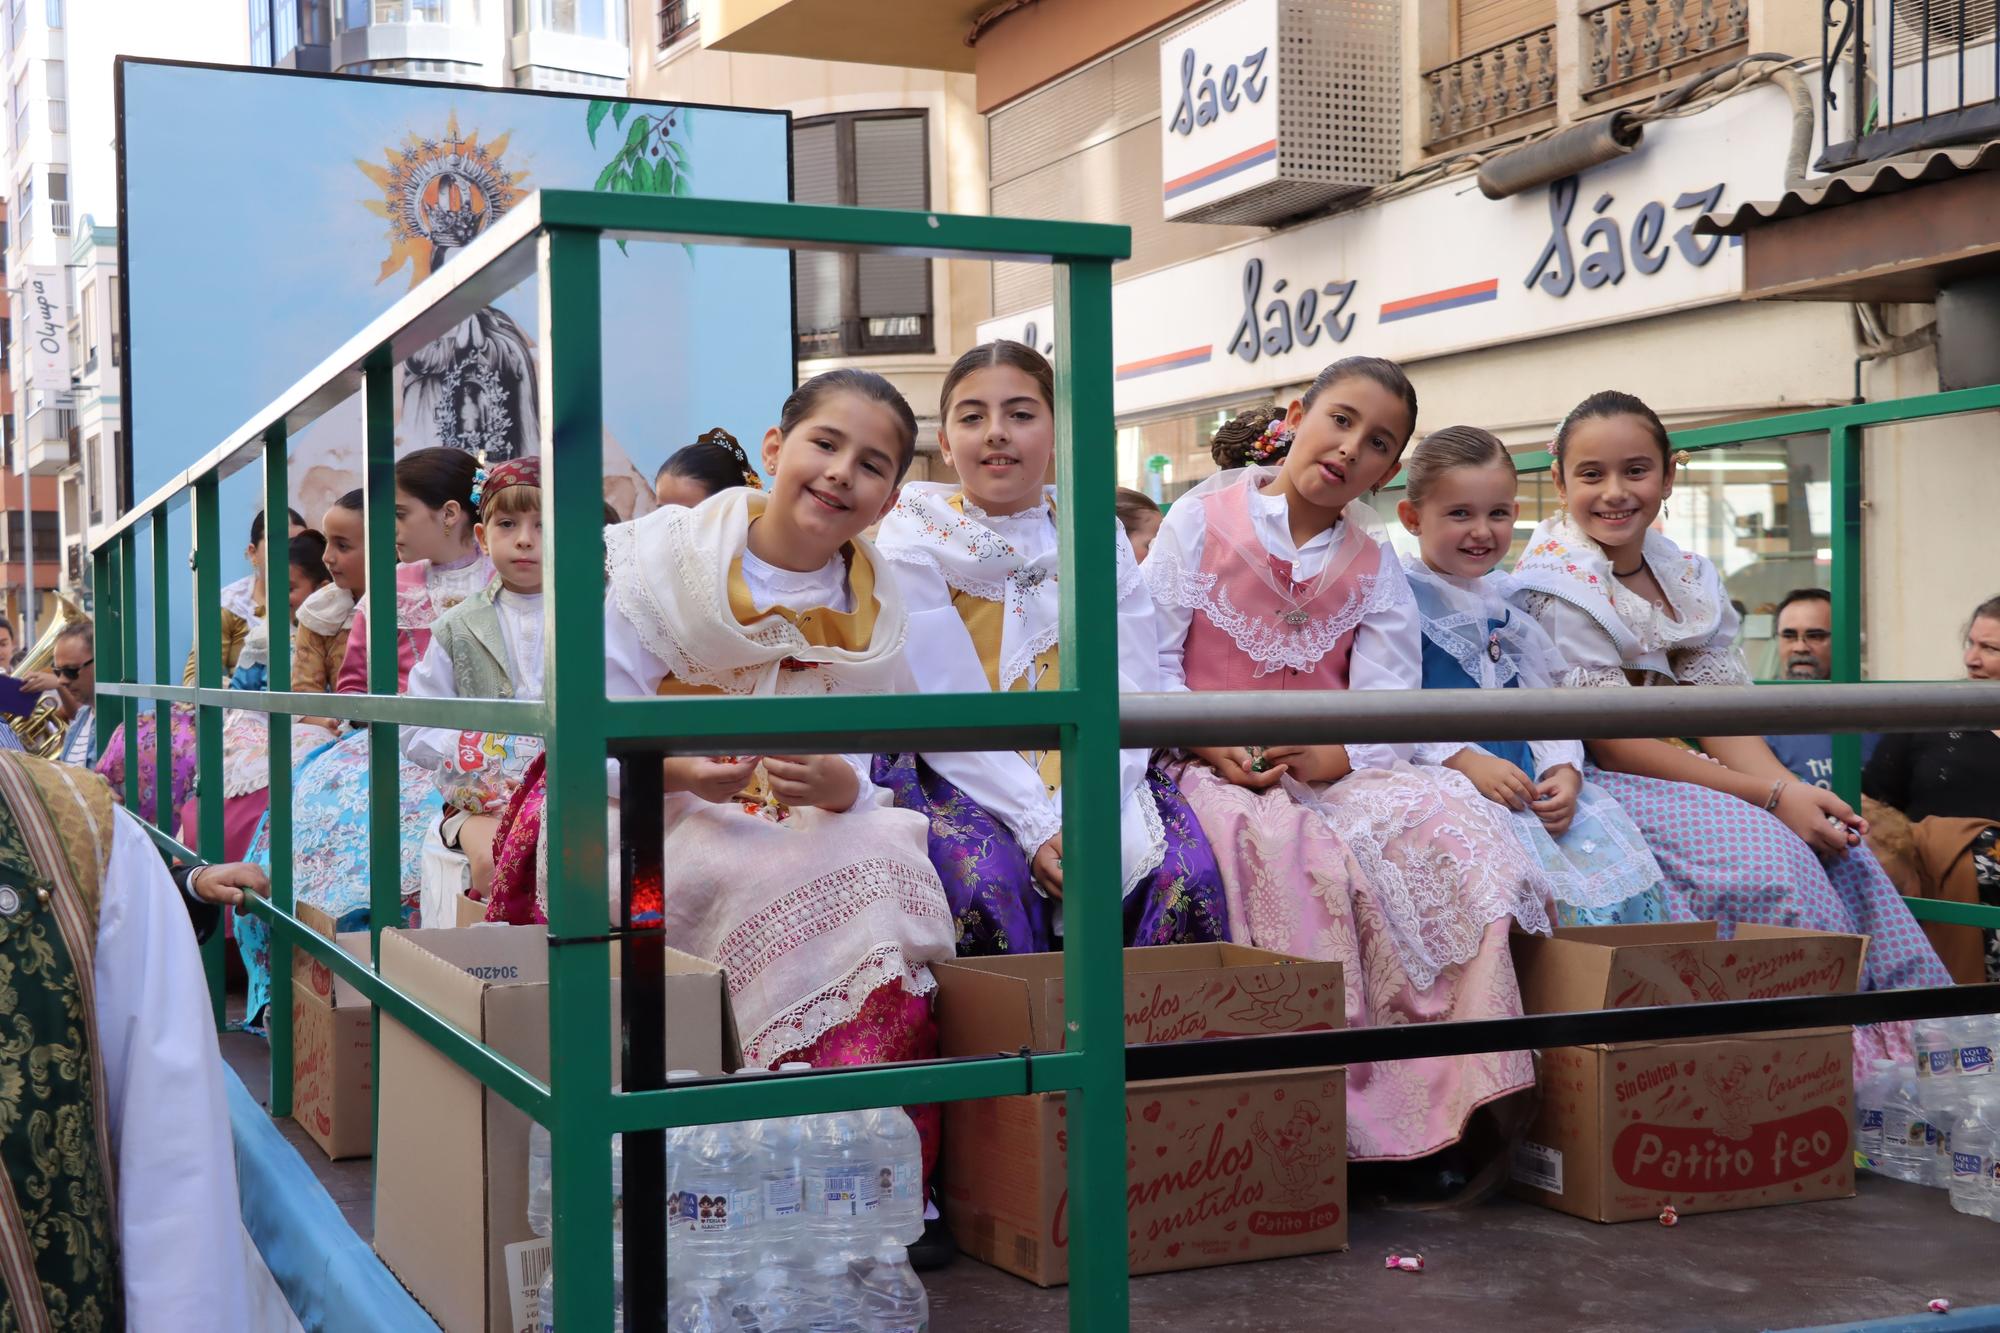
333	1047
1703	1125
1218	1170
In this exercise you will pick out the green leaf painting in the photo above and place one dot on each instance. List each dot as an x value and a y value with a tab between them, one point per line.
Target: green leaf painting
652	159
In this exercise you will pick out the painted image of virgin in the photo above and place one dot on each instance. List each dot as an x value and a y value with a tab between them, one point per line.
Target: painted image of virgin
474	389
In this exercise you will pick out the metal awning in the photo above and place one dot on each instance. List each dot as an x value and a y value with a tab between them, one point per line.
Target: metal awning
1883	177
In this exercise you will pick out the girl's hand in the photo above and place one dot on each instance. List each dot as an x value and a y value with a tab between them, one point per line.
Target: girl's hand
1555	799
825	780
714	780
1232	762
1311	763
1498	781
1047	867
1822	820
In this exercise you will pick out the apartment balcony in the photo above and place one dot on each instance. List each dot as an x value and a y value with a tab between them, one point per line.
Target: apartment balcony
392	32
1633	47
1504	90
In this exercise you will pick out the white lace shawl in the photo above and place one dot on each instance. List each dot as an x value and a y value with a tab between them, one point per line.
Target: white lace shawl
240	596
1303	635
327	611
1601	628
973	557
669	577
1457	617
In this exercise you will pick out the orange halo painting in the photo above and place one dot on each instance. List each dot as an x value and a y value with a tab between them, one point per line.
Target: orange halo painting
438	194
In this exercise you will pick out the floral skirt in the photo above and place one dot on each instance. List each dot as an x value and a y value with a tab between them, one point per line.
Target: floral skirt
996	908
111	764
1294	886
1729	862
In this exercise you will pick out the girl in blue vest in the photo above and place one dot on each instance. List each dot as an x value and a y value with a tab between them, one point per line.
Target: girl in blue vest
489	646
1460	505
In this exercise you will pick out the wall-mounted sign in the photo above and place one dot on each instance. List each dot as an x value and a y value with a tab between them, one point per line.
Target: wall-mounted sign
45	333
1444	269
1219	106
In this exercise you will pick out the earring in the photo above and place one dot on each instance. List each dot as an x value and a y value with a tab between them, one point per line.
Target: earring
1666	511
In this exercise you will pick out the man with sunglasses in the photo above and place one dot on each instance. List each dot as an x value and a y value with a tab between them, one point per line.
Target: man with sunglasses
1805	653
73	677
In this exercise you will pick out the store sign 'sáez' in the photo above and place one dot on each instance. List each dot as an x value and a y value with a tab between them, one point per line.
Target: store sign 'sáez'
1440	270
1219	107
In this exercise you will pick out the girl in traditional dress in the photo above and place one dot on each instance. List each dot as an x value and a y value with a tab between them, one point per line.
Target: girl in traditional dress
1739	838
489	646
1459	503
1276	576
794	872
319	640
441	568
715	462
977	565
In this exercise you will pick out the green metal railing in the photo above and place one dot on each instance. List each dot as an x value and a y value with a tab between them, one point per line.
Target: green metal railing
556	237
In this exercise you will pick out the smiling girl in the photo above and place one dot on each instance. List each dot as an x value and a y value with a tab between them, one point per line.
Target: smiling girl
1738	837
977	563
1275	576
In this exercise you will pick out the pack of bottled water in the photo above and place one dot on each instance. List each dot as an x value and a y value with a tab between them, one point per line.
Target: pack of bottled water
791	1225
1936	1123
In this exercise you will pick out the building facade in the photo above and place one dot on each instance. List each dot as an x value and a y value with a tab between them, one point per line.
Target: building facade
1302	180
552	45
874	135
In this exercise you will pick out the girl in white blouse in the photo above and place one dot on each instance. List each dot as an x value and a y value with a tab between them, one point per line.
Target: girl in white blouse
1737	836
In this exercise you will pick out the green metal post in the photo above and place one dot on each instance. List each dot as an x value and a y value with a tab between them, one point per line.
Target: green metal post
208	717
163	653
385	831
127	712
1093	971
110	654
580	1124
1843	451
277	593
101	577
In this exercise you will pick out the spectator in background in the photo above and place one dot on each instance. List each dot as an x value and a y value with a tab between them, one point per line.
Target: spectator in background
1805	652
7	645
1140	518
1805	634
1946	788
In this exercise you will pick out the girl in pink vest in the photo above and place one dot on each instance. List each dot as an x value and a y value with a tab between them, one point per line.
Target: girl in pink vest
1274	575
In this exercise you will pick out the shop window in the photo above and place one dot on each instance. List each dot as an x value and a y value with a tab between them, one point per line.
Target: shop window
860	305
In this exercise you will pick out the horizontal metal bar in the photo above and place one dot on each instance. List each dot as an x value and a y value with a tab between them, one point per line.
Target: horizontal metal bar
1416	1041
494	263
738	222
1950	913
1259	717
169	848
848	1088
1887	412
513	716
502	1075
871	723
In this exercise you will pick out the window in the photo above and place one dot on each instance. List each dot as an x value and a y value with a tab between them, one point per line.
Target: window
21	110
59	202
93	472
55	13
46	533
86	319
58	90
676	18
17	23
603	19
857	305
262	51
115	320
24	209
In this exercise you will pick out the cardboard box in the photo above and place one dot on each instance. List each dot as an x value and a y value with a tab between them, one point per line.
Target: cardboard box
452	1178
469	911
1708	1125
333	1053
1219	1170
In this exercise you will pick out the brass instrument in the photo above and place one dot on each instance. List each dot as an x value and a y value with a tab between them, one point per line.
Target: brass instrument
42	731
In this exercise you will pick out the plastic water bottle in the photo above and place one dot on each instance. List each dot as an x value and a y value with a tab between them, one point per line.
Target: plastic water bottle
780	1147
676	1141
721	1193
1976	1042
698	1306
545	1303
539	1175
770	1302
1972	1158
833	1302
899	1174
1906	1142
841	1182
892	1296
1870	1095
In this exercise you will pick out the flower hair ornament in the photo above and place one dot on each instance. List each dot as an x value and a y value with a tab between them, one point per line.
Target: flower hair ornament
1273	443
487	483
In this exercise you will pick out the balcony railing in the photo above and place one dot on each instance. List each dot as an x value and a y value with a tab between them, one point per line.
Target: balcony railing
676	17
1930	71
1629	45
1504	88
59	216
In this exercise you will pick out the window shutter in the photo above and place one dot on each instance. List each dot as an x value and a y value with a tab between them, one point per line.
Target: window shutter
816	180
890	172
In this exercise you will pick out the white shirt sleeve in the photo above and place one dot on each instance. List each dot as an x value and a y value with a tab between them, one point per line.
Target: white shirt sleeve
431	678
1554	754
938	658
631	671
1388	655
1138	660
179	1220
1175	556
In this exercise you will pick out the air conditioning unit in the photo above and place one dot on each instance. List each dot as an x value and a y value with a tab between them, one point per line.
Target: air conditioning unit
1937	55
1273	109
